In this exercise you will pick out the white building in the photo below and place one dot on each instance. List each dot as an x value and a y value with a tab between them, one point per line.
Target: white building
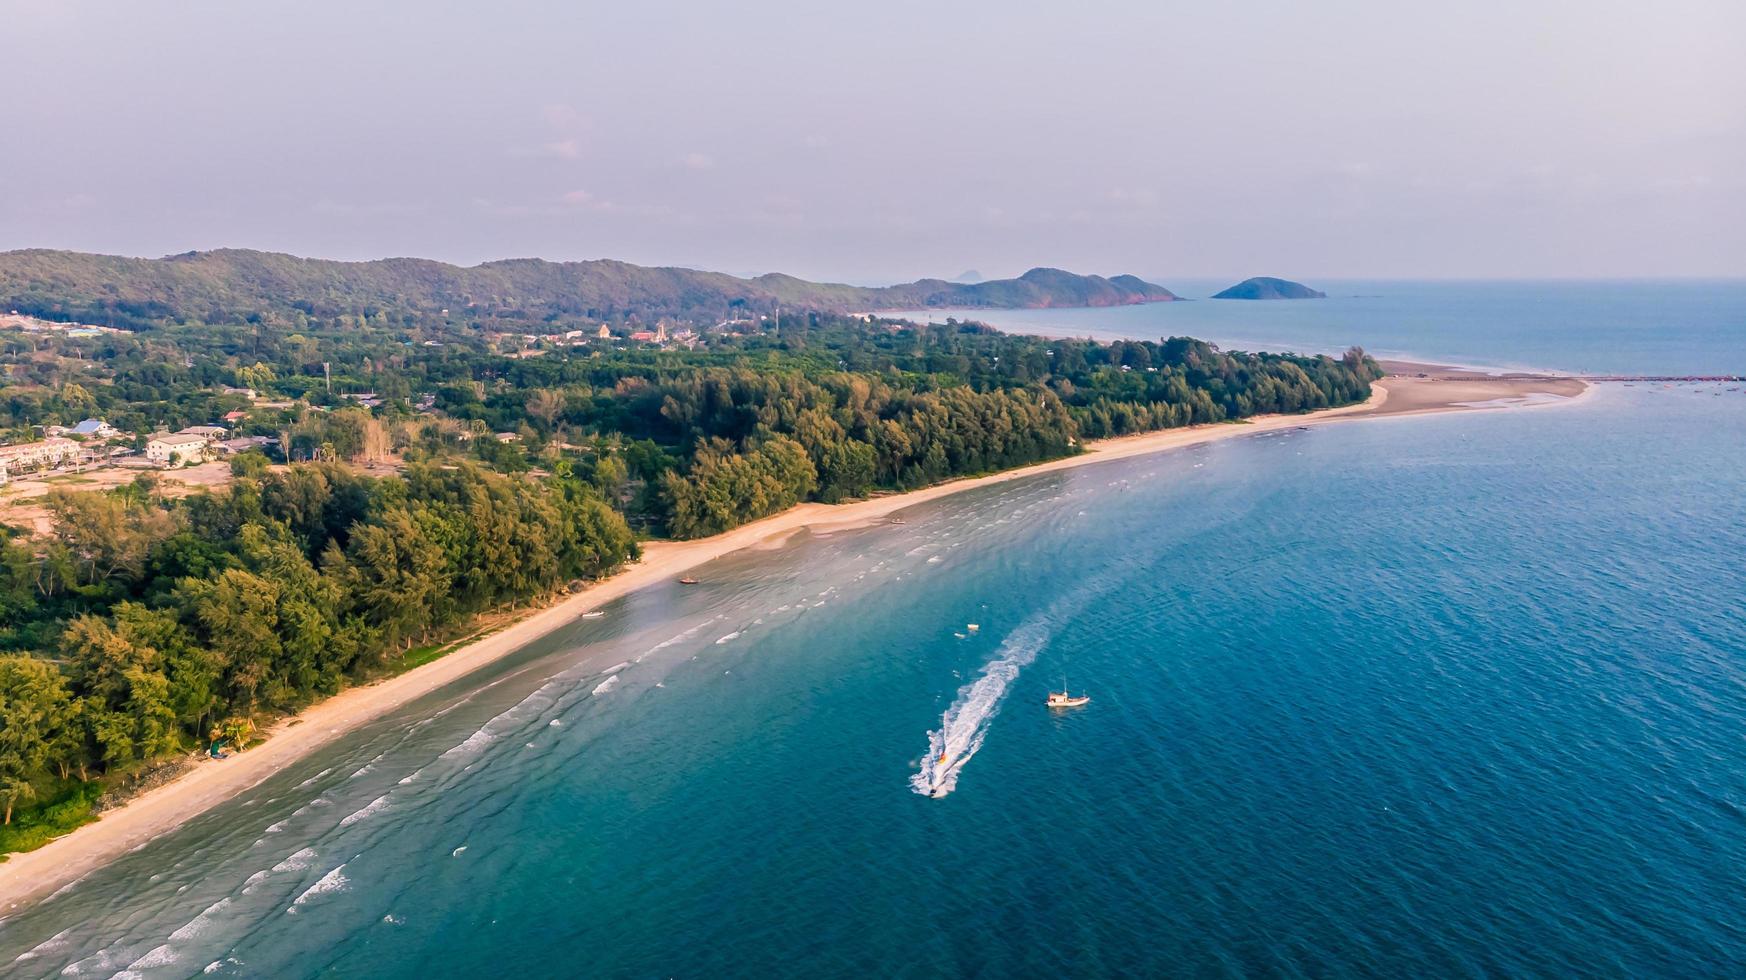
178	449
31	457
205	431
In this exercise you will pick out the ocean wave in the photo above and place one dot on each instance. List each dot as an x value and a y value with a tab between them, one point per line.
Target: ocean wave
606	685
730	637
52	944
199	923
474	742
299	861
333	881
366	812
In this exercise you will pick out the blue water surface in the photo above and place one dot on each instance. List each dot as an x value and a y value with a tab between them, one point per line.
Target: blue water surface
1679	327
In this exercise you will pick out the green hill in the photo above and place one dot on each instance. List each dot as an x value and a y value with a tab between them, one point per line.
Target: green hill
239	285
1267	287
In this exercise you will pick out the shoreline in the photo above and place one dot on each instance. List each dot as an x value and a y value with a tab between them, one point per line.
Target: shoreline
29	875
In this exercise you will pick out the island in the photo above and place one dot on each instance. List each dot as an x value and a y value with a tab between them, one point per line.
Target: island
1267	287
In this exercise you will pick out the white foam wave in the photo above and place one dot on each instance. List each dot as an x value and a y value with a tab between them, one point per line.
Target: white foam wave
615	668
729	638
296	862
333	881
369	810
52	944
964	726
474	743
157	956
606	685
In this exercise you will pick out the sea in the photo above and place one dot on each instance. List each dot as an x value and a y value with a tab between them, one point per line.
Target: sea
1442	695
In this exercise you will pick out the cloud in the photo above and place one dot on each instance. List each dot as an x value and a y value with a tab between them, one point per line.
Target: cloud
698	161
343	209
567	149
564	127
1143	197
561	117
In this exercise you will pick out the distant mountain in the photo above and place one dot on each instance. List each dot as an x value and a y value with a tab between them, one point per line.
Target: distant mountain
969	276
1267	287
238	285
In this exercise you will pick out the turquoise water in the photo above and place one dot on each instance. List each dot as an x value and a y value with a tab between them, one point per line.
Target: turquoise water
1648	327
1454	694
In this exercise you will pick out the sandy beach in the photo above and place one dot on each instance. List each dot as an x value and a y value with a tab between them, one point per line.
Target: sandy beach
1410	389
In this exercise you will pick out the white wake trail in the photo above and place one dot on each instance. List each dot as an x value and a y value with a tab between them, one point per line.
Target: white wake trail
965	724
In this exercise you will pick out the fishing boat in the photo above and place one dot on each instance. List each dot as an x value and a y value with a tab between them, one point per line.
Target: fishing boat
687	580
972	627
593	614
1062	699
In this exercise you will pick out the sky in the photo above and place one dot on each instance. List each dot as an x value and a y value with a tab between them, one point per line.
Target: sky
881	142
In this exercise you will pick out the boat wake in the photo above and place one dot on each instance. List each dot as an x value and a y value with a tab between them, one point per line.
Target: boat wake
965	724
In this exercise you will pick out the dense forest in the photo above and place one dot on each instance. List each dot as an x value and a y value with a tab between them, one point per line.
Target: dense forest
146	622
238	285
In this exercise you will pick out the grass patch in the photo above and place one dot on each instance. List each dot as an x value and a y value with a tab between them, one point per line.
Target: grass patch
69	810
419	656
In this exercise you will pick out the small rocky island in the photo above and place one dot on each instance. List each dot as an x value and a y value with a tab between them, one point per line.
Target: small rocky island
1267	287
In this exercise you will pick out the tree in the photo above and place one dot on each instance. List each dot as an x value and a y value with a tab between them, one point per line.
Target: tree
34	707
105	535
14	789
252	464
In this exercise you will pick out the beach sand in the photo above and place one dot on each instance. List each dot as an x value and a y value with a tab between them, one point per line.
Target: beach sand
1410	389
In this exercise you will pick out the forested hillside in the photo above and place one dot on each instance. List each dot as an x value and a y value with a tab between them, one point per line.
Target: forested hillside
241	286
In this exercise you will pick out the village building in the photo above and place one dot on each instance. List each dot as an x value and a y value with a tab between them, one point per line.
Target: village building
95	429
243	444
208	432
178	449
34	457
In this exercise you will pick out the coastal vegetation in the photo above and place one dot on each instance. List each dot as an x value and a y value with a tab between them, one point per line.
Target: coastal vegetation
410	476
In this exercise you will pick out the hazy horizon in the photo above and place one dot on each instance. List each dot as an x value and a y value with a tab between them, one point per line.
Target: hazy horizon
1498	141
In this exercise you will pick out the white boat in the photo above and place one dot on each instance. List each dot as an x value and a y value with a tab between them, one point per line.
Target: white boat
1061	699
593	614
972	627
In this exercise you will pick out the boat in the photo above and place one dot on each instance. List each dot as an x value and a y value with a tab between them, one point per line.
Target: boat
593	614
898	520
687	580
1064	699
972	627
